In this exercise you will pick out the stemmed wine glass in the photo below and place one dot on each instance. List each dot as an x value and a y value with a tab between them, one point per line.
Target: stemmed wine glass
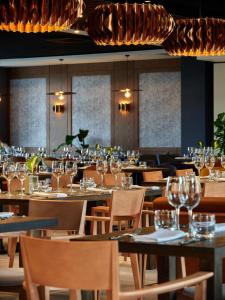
198	162
222	161
21	173
115	168
71	170
102	168
190	197
210	163
173	190
9	172
57	171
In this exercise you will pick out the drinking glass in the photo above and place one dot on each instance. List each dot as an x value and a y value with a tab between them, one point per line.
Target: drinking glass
115	168
198	162
21	173
190	197
173	190
71	170
102	168
210	163
203	225
222	161
57	170
9	172
165	219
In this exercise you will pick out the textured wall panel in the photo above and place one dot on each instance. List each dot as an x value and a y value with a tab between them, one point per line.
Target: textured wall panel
160	109
91	108
28	112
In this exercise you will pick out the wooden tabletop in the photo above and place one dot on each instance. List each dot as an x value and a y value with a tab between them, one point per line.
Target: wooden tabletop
210	253
26	223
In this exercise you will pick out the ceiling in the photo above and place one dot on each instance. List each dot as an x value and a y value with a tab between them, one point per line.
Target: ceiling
17	45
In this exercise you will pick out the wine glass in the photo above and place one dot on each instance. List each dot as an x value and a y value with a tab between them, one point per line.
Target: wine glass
115	168
71	170
57	170
21	173
102	168
222	161
198	162
9	172
190	197
210	163
173	190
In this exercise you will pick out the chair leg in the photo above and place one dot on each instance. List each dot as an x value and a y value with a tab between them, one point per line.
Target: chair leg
12	242
135	270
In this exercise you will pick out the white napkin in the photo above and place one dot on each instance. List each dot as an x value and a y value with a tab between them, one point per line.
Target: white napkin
220	227
135	186
50	195
94	189
77	185
220	179
6	214
161	235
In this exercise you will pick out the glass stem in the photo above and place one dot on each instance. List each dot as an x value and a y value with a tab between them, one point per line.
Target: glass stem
57	183
190	221
116	181
71	182
177	217
9	186
102	180
22	181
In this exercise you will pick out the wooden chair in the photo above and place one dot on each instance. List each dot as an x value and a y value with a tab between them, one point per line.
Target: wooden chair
70	216
184	172
94	267
124	206
152	176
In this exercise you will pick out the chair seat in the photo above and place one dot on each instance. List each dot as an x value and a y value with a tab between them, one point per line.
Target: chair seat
11	276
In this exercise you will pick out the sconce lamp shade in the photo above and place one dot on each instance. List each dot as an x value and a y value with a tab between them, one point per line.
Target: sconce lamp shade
124	106
197	37
129	24
39	15
58	108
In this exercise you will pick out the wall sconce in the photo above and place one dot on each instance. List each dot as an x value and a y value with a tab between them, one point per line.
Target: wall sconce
58	108
124	106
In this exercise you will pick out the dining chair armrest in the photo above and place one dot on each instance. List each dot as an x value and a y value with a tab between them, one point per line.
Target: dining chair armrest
94	221
197	279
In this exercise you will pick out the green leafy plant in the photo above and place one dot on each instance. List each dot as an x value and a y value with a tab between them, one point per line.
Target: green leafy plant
219	133
82	134
32	163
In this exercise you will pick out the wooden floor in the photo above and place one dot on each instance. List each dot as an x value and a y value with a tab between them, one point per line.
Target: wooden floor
126	279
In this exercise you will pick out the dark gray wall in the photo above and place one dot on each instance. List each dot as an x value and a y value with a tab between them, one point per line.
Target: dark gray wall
4	106
196	102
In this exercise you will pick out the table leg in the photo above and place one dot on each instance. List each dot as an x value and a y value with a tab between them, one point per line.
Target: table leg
166	266
214	284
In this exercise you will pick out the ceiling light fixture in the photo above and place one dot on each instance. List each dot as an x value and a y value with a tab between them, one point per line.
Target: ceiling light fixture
197	37
61	94
127	91
129	24
39	15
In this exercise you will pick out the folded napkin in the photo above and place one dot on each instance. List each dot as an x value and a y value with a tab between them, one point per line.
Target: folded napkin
75	185
50	195
220	179
220	227
94	189
161	235
134	186
6	214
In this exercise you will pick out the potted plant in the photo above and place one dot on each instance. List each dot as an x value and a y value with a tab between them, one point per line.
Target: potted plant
82	134
219	133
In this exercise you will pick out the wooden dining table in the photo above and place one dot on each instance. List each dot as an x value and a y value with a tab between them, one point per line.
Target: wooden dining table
209	252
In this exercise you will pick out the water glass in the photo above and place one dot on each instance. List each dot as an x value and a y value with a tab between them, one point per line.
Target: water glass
87	182
165	219
127	182
203	225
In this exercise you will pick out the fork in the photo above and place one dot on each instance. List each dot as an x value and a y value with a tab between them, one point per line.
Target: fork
126	234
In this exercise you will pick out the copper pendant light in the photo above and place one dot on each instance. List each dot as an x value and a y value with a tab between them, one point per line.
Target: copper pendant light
197	37
129	24
39	15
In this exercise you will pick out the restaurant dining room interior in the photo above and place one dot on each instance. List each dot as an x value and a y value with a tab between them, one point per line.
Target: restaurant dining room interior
112	149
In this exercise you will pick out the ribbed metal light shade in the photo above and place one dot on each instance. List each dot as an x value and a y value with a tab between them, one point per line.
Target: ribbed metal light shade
39	15
197	37
129	24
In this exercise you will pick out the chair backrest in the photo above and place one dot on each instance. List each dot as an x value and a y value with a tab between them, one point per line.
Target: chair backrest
108	180
63	181
81	265
214	189
126	204
70	214
184	172
152	176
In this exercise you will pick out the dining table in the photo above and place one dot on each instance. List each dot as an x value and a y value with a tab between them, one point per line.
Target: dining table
210	253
